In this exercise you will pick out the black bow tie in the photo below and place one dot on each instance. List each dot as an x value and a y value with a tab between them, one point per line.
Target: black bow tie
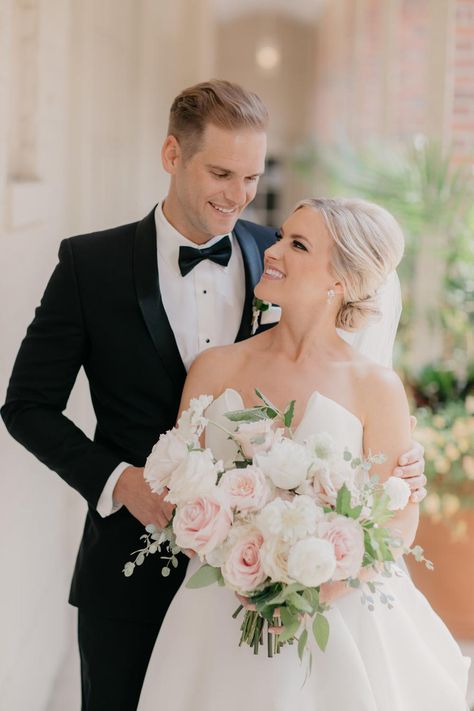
219	253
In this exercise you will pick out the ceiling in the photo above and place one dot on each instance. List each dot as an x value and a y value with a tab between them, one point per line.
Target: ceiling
304	10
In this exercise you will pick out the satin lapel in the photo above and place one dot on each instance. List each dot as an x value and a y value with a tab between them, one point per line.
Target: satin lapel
253	264
147	285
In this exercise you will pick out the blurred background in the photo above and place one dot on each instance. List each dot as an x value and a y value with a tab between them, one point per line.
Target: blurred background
366	97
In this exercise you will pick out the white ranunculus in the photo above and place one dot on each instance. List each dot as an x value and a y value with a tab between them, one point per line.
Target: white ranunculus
311	562
321	446
196	476
274	559
167	454
289	520
398	493
286	464
192	421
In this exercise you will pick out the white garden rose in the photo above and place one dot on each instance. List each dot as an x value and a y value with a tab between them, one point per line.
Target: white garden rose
192	421
256	437
286	464
274	560
311	561
327	479
167	454
289	520
196	476
398	493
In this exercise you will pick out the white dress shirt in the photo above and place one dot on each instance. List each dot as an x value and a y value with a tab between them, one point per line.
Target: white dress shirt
204	308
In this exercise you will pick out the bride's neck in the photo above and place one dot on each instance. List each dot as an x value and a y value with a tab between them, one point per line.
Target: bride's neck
299	338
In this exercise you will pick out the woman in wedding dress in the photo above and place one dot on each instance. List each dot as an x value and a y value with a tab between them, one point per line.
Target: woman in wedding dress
325	271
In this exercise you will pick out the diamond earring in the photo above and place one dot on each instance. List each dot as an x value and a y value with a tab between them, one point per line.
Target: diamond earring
331	295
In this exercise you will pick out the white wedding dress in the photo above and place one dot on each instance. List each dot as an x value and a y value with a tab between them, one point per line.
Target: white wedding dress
403	659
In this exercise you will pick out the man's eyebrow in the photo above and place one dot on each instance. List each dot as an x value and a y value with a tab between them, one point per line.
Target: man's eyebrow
226	170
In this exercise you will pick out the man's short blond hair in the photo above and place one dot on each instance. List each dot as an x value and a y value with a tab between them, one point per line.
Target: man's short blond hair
218	102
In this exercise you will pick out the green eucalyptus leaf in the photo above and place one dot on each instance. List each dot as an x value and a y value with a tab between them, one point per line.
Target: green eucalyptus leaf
139	559
128	569
321	631
299	602
165	572
251	414
268	403
302	643
289	414
343	501
206	575
150	528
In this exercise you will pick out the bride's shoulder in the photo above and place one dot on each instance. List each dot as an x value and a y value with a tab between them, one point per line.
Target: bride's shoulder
378	386
215	365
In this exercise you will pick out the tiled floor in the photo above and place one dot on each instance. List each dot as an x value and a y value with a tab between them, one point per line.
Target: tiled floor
66	693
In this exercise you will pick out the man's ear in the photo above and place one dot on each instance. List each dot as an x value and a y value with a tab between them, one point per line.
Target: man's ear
170	154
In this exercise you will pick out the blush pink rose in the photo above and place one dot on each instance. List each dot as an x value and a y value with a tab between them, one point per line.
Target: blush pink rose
202	524
347	537
255	437
248	489
242	569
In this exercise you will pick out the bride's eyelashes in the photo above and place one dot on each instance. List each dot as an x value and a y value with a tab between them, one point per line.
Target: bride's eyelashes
296	243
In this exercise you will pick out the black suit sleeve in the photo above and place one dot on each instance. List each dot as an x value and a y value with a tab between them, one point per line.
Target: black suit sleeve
44	373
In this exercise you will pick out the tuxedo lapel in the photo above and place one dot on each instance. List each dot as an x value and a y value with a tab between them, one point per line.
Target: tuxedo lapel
253	265
147	285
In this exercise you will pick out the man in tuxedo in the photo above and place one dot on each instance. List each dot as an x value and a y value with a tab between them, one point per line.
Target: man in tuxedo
134	305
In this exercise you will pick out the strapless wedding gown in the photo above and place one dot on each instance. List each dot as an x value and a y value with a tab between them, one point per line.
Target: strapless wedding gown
403	659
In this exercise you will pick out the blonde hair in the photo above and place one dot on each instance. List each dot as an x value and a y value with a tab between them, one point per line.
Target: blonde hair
221	103
368	246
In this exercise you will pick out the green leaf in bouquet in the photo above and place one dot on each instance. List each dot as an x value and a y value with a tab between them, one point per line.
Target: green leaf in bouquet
312	596
282	594
206	575
128	569
165	572
139	560
291	622
302	643
150	528
347	455
289	414
321	631
250	414
343	501
271	409
356	463
299	603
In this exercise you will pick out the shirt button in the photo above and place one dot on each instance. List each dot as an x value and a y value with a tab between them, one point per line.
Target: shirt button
204	291
208	340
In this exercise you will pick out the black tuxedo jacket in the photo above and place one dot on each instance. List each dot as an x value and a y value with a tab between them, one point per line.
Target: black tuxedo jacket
102	310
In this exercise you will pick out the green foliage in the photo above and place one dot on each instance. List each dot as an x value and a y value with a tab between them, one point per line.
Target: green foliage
206	575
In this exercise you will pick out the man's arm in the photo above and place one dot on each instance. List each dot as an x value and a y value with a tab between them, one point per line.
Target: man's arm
44	373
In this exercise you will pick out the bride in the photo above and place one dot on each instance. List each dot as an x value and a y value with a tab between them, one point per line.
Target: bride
330	261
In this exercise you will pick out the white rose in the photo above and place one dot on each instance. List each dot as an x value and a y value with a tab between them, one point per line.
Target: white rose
167	454
196	476
311	562
328	478
286	464
274	560
289	520
398	493
192	421
256	437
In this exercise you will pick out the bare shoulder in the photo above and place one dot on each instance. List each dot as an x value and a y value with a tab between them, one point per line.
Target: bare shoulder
379	389
213	368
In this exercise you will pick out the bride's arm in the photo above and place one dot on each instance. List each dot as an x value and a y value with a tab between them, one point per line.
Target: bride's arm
387	431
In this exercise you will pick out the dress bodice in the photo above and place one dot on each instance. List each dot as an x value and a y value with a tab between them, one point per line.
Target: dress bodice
322	414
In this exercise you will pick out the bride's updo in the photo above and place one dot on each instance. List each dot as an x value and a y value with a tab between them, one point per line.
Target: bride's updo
368	246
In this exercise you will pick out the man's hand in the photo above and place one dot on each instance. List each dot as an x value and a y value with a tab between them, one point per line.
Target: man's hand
133	492
411	466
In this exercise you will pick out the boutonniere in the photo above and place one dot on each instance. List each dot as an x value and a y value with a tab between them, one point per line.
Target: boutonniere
263	313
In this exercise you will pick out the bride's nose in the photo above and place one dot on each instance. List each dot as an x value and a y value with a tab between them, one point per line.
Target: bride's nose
275	251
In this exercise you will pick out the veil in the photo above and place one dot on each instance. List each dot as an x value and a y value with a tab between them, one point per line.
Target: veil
377	340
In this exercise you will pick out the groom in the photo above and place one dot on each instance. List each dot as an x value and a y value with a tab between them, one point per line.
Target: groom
134	305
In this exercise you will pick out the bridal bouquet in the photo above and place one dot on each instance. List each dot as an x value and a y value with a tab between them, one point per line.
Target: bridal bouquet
274	526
